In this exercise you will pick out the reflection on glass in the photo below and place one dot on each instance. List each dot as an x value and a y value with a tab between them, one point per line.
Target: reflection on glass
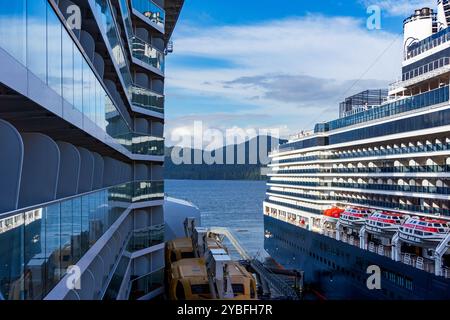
67	71
47	240
146	238
78	80
411	103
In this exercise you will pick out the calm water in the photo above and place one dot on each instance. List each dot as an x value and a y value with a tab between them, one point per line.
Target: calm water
236	205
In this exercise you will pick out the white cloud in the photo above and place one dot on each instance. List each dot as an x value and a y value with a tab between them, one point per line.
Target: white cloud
295	68
401	8
182	131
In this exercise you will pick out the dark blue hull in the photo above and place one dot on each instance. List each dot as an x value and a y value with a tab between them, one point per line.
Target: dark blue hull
339	271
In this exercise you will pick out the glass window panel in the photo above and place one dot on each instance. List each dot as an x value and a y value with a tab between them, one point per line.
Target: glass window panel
37	38
11	258
13	28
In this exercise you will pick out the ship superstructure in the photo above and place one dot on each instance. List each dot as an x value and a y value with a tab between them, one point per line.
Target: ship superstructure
372	187
82	148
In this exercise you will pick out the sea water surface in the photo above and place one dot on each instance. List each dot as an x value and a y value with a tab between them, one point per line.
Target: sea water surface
237	205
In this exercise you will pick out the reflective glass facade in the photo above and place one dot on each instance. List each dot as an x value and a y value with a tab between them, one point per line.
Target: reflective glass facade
38	245
150	10
426	121
48	51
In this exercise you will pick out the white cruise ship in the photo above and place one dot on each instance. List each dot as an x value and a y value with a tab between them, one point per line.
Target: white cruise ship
371	188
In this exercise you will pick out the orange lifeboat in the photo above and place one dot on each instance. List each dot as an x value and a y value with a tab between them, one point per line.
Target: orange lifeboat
332	214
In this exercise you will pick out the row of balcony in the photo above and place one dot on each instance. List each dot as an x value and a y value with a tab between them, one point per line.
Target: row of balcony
395	169
389	205
151	11
299	195
374	153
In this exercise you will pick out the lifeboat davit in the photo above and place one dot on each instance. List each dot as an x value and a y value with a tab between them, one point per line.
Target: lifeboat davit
385	222
423	230
355	216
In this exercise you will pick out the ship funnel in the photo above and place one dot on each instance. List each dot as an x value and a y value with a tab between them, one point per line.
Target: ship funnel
418	26
441	15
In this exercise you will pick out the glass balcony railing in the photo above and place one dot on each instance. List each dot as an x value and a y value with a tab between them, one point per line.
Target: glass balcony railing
427	69
294	206
138	191
149	9
147	53
146	238
40	243
146	284
142	144
396	169
300	183
374	153
147	99
428	43
299	195
393	206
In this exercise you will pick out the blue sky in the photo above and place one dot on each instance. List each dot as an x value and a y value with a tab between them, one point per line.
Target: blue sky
265	64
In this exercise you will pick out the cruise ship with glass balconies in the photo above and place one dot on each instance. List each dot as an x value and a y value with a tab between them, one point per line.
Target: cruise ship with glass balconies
370	191
82	148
